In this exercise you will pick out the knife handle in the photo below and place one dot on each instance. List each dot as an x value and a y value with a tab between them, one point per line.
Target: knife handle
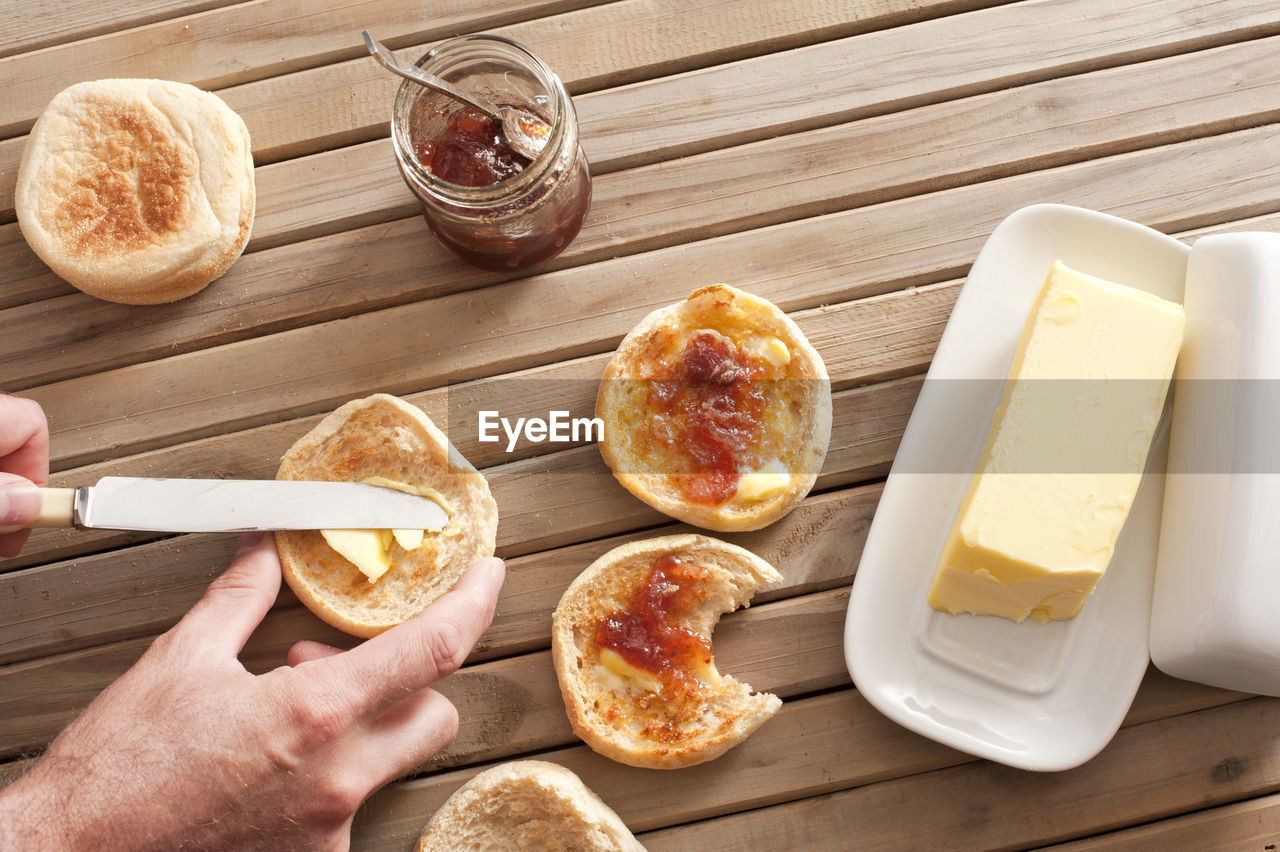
57	508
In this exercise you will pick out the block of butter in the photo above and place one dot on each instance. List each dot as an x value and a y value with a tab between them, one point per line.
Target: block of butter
1065	453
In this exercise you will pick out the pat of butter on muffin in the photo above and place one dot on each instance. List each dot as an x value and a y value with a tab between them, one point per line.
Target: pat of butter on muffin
763	483
618	673
774	351
370	550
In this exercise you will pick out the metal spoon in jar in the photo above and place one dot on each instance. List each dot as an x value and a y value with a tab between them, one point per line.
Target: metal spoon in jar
524	131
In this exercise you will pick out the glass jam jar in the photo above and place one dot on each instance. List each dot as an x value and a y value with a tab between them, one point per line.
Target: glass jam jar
523	219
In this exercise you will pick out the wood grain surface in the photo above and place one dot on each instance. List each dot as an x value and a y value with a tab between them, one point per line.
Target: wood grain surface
843	158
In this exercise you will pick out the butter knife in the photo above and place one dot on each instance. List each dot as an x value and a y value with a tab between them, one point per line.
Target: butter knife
230	505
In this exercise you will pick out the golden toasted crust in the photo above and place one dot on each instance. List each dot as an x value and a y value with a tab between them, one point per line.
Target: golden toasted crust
526	804
678	726
796	422
137	191
385	436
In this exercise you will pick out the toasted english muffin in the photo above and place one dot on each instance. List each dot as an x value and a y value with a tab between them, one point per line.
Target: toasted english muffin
526	804
136	191
716	411
667	707
383	436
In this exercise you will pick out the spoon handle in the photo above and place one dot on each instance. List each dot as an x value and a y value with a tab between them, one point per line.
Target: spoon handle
412	72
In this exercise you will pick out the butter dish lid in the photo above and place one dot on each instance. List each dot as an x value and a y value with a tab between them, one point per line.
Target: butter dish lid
1215	615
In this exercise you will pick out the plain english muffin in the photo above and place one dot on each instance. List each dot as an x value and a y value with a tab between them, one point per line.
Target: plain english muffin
526	804
137	191
716	411
385	440
631	644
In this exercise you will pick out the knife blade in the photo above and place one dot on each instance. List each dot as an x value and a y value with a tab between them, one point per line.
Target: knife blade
236	505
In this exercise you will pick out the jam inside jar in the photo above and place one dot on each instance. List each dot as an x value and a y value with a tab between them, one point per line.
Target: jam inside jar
489	205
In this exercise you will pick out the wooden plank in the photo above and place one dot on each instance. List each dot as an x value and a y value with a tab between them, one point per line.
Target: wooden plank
42	696
862	342
619	43
985	50
835	742
575	488
855	163
25	277
770	182
894	335
347	102
242	42
123	595
49	22
1253	825
565	314
1212	756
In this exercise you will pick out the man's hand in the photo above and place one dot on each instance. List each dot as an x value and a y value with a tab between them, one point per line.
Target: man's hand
189	750
24	464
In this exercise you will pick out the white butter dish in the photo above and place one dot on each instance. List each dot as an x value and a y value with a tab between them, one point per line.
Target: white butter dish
1215	614
1035	696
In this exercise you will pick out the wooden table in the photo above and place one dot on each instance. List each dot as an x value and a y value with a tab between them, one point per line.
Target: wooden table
858	154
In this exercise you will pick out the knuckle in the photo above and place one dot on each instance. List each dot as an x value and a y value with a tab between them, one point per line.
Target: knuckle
234	586
336	797
173	644
446	647
319	719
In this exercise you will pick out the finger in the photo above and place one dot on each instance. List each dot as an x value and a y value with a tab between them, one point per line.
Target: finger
19	506
408	734
19	502
306	650
235	603
415	654
24	439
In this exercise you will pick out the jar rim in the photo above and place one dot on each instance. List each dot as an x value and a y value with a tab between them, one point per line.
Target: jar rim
504	189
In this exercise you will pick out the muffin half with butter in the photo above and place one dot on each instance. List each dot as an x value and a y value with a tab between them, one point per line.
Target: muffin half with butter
632	648
136	191
716	411
365	581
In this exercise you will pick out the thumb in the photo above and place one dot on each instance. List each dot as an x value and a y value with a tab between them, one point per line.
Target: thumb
234	604
19	502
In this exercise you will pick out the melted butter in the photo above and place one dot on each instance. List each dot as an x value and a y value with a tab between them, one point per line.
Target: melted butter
370	550
774	351
624	674
765	482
